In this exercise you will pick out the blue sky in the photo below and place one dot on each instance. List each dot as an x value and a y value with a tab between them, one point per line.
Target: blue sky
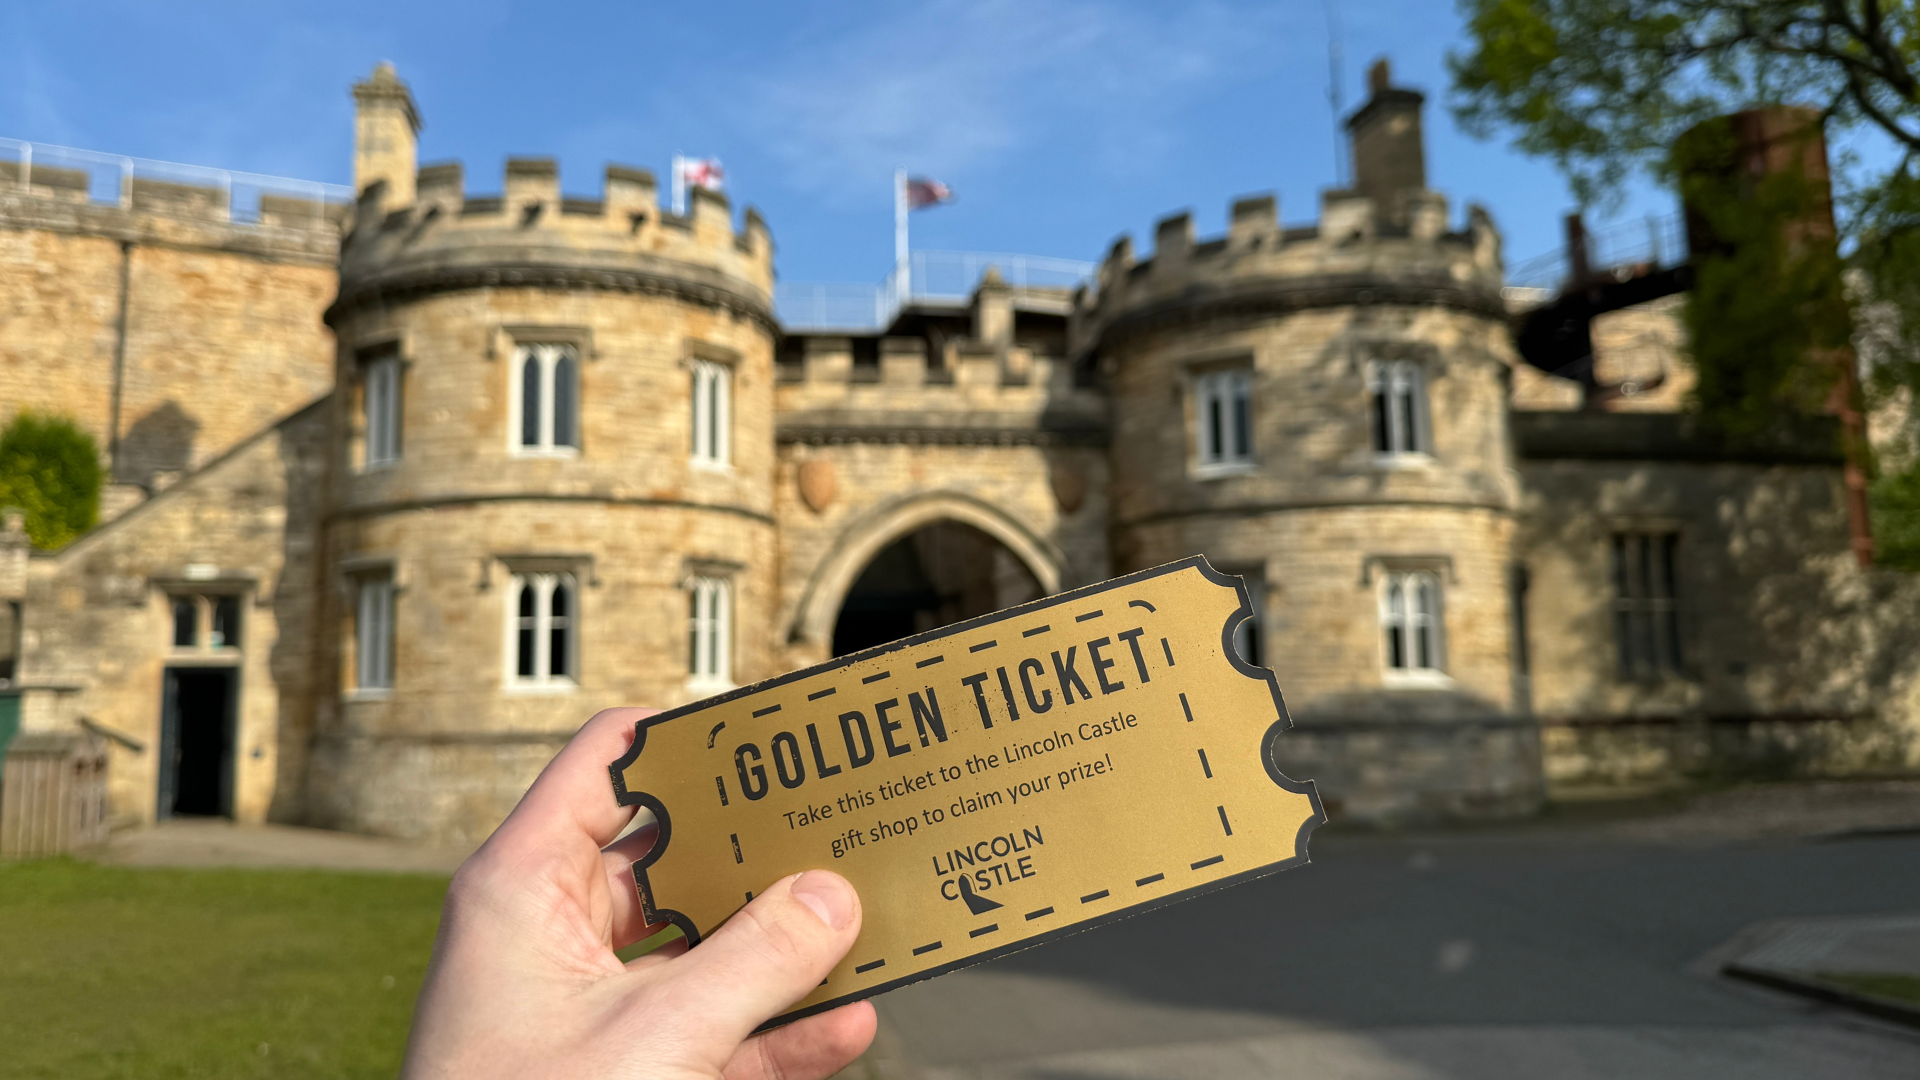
1060	124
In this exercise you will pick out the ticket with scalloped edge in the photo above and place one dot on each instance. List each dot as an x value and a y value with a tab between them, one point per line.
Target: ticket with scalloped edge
988	786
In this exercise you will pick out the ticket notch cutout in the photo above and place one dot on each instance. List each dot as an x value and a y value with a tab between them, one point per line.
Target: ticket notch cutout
987	786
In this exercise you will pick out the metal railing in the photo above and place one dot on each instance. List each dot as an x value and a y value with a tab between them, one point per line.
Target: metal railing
108	179
931	275
1656	241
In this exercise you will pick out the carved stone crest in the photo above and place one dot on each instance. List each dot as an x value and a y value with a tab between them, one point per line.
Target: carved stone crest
1069	485
818	484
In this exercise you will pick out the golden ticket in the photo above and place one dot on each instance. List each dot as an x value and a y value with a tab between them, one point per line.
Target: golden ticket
987	786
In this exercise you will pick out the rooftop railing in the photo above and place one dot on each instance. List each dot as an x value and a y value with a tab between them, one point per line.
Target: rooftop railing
932	276
1656	241
109	180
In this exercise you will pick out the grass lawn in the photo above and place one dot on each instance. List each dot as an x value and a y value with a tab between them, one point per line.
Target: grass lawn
1901	988
117	972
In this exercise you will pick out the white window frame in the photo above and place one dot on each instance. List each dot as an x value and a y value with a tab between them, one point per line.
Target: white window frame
1223	421
204	606
547	355
1401	387
1401	620
380	406
709	633
1253	630
547	675
373	632
712	389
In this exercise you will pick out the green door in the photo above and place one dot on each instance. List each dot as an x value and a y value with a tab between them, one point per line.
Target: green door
9	721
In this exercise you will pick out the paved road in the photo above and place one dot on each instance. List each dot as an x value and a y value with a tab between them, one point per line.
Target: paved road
1542	953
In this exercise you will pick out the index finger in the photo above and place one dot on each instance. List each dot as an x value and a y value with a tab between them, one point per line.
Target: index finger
572	802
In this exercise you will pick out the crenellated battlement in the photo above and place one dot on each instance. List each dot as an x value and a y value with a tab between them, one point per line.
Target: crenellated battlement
1384	240
419	228
1357	252
975	393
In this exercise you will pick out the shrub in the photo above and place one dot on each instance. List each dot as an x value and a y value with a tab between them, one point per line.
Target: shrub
1895	509
50	468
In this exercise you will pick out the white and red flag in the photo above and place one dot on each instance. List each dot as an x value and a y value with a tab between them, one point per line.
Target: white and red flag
702	173
694	173
925	191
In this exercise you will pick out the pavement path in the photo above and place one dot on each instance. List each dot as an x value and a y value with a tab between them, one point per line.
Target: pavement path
1584	945
1561	949
206	842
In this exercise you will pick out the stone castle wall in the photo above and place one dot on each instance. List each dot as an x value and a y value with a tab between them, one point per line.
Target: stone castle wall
1318	514
97	618
222	331
453	290
1794	661
1064	428
1005	443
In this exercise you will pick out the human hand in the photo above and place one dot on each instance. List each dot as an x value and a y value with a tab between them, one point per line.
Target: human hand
524	981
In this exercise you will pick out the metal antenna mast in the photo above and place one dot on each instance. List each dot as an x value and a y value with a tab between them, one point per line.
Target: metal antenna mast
1333	91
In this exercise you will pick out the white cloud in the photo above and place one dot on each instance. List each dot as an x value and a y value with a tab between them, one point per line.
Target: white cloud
957	86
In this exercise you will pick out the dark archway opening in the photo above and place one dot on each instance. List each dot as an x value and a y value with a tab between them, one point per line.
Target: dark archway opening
942	574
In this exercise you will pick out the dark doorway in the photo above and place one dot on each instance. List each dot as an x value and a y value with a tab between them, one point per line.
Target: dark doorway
939	575
196	741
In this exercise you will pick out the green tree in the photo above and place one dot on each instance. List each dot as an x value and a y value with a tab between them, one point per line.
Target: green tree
51	469
1895	499
1605	88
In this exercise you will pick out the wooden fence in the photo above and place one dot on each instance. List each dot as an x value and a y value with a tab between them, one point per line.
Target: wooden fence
53	794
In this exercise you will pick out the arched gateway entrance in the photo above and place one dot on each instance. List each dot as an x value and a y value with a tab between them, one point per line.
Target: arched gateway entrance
937	575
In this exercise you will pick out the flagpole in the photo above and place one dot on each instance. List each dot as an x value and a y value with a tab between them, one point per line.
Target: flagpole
679	185
902	274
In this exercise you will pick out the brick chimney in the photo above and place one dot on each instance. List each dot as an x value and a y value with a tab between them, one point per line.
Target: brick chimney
1389	152
386	136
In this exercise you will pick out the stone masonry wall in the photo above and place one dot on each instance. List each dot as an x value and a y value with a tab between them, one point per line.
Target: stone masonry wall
1792	656
223	331
97	634
1019	456
450	747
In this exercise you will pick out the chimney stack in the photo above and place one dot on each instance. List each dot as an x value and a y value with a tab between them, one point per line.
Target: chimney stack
386	136
1389	152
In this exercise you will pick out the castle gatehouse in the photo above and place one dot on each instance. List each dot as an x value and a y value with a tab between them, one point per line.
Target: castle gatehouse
405	489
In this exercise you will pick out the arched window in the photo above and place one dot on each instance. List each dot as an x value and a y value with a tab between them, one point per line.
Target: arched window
526	656
1247	638
373	630
530	410
712	409
542	630
560	628
1224	429
380	410
1399	390
546	399
565	404
710	633
1410	616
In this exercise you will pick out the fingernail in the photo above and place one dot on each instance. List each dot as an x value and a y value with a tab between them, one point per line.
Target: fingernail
827	895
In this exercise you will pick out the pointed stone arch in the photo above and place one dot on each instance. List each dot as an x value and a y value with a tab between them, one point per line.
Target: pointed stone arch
860	541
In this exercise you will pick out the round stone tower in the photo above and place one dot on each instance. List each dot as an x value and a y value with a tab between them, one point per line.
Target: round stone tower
1324	409
552	487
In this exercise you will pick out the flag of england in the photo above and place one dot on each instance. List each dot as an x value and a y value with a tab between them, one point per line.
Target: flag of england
924	191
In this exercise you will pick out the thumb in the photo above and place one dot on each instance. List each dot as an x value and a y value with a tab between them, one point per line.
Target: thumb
772	953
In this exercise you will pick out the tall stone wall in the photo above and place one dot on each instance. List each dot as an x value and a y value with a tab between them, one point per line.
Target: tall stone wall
97	633
221	334
1793	660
